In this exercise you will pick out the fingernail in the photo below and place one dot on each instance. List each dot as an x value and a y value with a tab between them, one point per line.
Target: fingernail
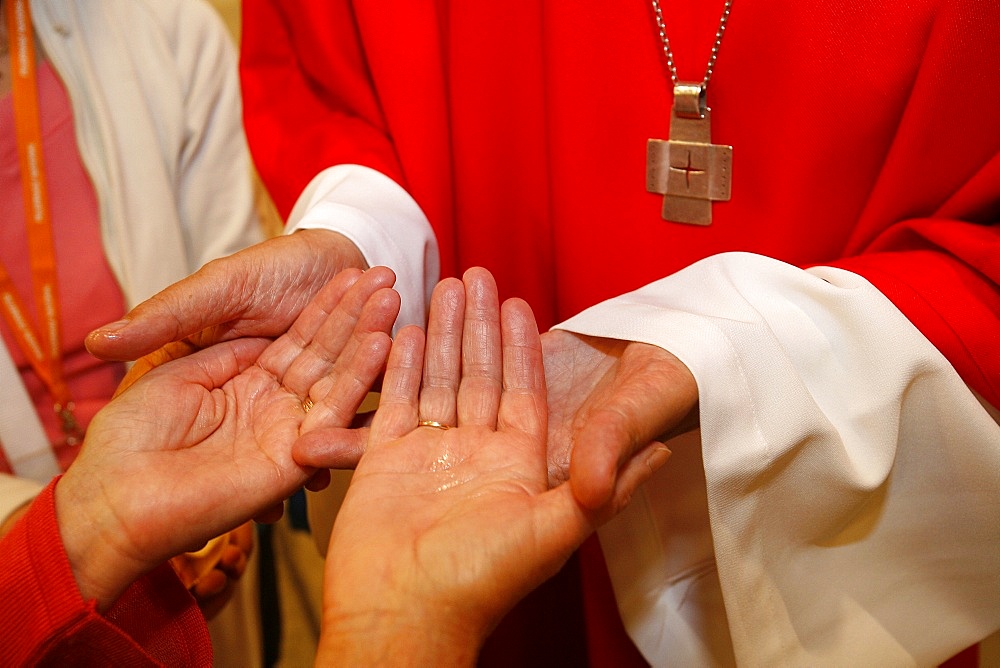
657	458
114	326
111	329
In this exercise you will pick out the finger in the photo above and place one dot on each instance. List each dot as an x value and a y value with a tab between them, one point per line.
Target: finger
256	292
481	384
397	412
332	448
292	343
651	393
211	367
377	317
523	402
339	395
640	468
334	324
351	285
147	363
326	449
396	415
243	537
443	353
233	562
208	297
210	584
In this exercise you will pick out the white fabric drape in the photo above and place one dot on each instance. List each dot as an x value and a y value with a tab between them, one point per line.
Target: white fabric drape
842	506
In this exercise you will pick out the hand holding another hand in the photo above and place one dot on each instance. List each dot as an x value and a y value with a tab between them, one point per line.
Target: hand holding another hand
201	444
611	404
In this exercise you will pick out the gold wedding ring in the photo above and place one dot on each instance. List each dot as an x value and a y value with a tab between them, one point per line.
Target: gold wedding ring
433	423
307	404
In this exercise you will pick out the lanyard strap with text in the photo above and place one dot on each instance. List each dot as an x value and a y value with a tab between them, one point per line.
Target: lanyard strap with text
44	351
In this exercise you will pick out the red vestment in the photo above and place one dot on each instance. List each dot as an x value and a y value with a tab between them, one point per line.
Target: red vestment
865	136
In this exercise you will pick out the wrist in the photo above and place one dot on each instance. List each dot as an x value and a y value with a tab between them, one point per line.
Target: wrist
86	526
379	620
397	637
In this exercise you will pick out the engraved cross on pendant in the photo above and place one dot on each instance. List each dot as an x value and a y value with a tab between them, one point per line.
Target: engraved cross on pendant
688	169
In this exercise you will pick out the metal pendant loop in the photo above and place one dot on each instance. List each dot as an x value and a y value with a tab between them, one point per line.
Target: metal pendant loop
689	99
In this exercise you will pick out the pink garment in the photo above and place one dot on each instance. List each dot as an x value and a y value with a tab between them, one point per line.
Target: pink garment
88	292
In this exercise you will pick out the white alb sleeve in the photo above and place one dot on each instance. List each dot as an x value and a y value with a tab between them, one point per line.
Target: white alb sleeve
847	478
383	221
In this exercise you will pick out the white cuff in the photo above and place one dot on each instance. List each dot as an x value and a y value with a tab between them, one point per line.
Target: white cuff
383	221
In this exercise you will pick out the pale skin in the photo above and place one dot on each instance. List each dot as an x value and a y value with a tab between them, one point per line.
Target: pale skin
417	571
611	401
198	446
258	291
268	294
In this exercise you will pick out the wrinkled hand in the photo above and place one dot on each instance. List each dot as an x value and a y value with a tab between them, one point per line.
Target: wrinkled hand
442	531
610	404
203	443
256	292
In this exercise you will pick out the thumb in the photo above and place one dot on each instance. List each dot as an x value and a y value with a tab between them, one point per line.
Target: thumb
330	448
147	363
185	308
651	393
601	446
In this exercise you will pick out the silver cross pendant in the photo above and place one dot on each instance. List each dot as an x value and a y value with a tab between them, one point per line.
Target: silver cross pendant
688	169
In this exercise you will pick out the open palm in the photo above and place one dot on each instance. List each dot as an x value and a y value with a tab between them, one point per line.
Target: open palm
200	444
451	525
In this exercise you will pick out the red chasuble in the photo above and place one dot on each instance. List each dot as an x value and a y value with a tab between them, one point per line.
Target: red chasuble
865	135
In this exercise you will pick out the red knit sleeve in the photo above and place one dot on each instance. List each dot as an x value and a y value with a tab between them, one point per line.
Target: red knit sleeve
45	621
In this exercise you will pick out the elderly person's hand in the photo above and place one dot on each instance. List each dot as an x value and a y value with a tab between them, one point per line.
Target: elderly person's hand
201	444
611	405
258	291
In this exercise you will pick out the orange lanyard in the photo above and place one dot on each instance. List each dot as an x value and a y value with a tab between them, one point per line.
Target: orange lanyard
44	351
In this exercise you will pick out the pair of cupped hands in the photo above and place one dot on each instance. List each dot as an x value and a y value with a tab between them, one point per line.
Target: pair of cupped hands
550	436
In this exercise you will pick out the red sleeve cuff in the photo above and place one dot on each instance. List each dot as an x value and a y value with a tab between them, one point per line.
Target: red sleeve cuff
45	619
